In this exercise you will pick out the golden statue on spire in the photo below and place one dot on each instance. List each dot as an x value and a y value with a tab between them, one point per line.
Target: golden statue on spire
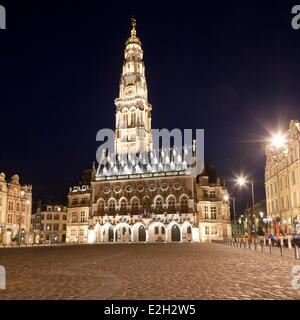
133	38
133	23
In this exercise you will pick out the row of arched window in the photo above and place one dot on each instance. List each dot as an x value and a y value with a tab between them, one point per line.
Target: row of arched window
135	207
129	119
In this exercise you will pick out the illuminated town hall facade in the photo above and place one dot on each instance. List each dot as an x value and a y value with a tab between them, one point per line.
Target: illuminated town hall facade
154	199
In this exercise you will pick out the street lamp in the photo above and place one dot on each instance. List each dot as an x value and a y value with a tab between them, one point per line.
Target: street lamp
242	181
226	198
262	224
261	214
20	217
278	140
20	214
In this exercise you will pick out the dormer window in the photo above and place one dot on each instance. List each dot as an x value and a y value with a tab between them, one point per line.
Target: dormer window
212	194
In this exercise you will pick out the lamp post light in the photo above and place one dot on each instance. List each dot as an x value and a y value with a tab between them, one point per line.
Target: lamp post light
261	214
20	218
227	199
241	182
278	140
48	232
242	222
261	224
27	202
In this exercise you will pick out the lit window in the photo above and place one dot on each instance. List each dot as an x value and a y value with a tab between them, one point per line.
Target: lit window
206	215
207	231
74	217
82	217
9	218
213	211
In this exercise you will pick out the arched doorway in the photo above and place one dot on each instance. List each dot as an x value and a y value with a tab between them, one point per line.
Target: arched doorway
123	233
157	232
139	232
97	233
142	234
175	233
187	232
110	234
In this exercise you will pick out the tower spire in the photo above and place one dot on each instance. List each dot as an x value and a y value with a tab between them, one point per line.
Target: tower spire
133	117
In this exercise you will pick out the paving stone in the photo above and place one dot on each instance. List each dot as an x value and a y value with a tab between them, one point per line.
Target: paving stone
153	271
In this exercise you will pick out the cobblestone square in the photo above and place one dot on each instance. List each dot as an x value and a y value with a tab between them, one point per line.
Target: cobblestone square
146	271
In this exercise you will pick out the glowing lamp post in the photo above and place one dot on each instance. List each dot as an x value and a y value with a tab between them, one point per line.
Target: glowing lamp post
278	141
227	199
241	182
20	215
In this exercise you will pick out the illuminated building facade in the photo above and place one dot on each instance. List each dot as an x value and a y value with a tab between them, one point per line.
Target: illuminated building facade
148	196
50	224
282	183
78	214
15	210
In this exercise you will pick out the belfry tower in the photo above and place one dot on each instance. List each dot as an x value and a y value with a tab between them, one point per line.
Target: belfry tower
133	133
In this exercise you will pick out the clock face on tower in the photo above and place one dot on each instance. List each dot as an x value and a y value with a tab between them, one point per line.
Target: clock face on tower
129	90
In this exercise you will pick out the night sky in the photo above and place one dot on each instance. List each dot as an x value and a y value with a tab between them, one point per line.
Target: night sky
231	68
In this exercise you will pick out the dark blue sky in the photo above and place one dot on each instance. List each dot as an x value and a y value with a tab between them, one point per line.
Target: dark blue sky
231	68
